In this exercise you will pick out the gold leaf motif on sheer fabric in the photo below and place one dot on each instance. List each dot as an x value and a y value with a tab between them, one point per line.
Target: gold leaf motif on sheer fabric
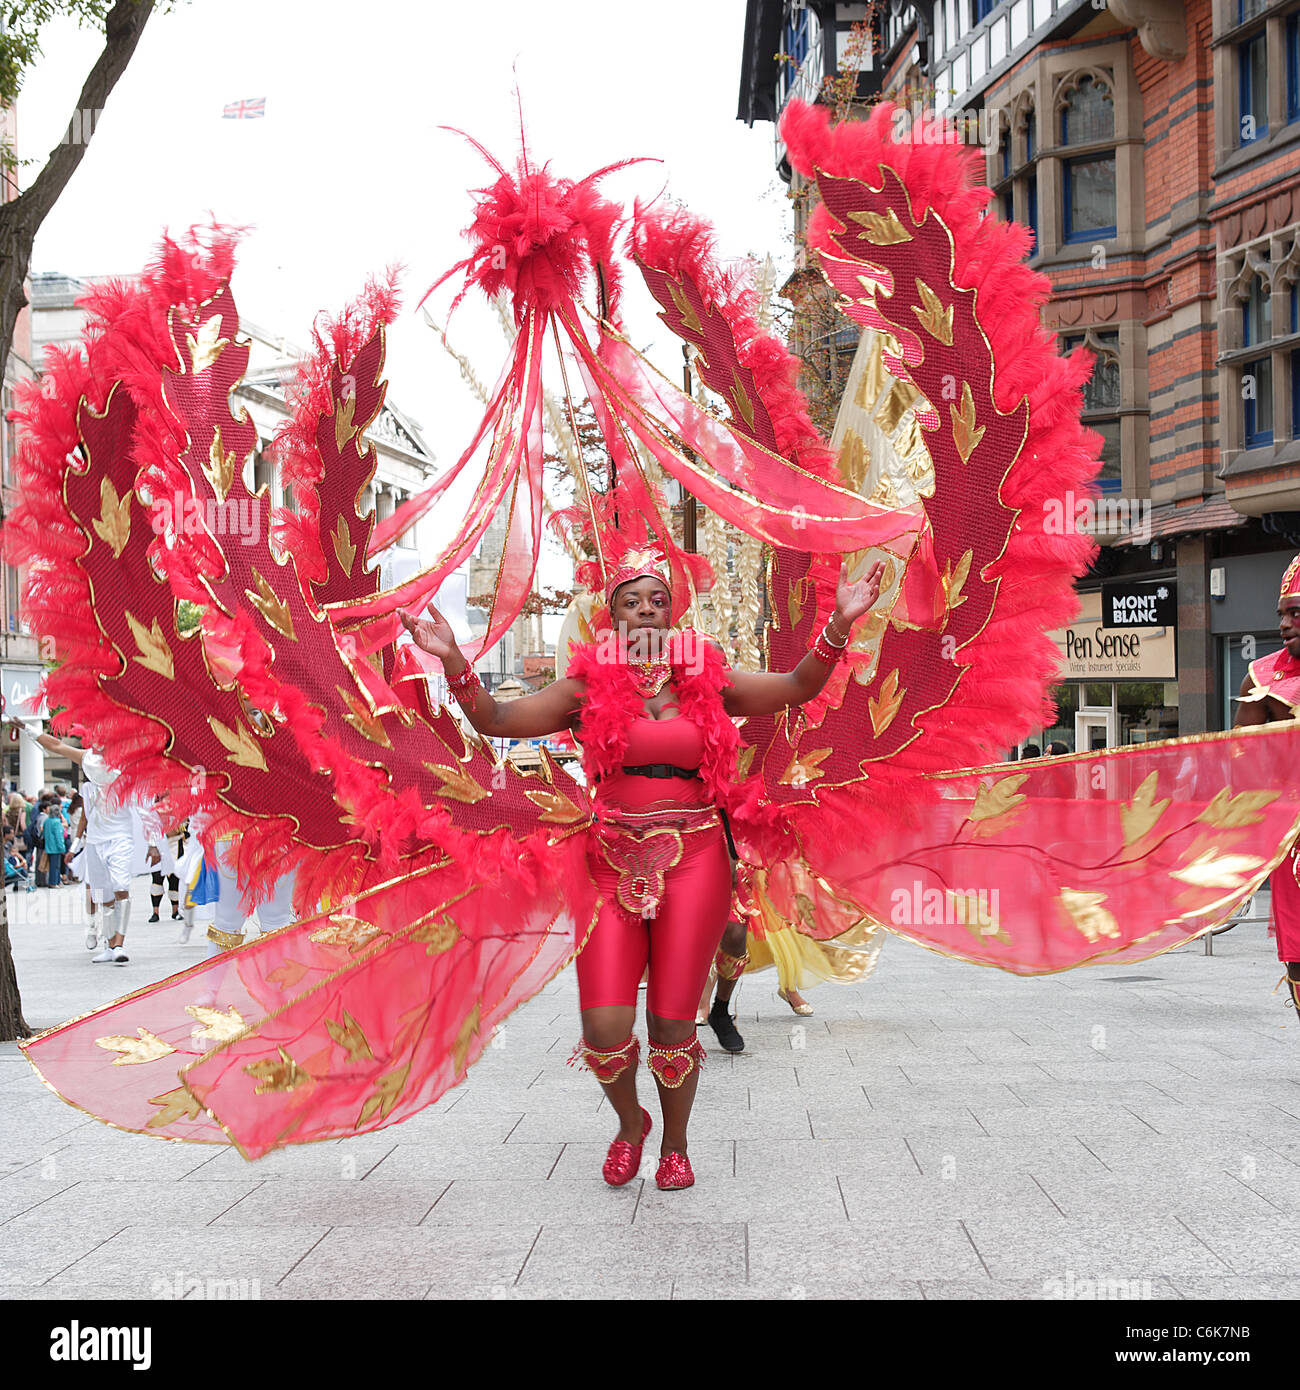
113	525
881	228
344	428
975	911
954	580
690	319
343	929
358	715
349	1036
557	809
1213	870
217	1026
176	1105
966	435
1139	816
800	594
744	761
284	1075
1228	812
884	708
744	406
207	345
287	975
457	785
272	608
1003	797
220	467
241	747
1086	912
148	1047
468	1032
934	317
805	768
344	548
388	1091
154	653
438	935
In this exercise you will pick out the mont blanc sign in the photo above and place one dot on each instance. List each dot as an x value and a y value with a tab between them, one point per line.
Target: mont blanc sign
1146	603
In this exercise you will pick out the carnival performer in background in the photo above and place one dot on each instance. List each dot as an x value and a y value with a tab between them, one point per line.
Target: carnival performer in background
110	843
168	846
653	709
1270	691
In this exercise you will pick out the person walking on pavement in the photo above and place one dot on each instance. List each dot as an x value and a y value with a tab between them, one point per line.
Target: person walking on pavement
55	845
109	849
1270	691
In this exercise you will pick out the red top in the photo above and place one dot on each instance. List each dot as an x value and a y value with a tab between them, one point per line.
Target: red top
1279	675
676	740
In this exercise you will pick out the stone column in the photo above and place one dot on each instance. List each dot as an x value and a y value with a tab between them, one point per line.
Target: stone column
31	764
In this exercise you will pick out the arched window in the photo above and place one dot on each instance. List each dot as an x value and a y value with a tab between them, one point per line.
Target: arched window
1102	401
1088	114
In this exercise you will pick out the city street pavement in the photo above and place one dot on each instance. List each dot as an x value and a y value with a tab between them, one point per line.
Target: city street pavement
938	1131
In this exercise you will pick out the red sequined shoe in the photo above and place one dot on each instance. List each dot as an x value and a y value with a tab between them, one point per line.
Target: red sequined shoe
674	1172
623	1161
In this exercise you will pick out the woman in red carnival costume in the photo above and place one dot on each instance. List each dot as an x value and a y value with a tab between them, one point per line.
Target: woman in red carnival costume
1270	692
653	707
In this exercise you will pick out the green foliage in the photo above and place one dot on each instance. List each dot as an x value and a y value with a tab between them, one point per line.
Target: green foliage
20	26
188	616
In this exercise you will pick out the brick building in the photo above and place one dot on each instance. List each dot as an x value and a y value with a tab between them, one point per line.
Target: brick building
1154	150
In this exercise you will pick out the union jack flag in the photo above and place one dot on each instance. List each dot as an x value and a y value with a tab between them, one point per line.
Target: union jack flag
245	110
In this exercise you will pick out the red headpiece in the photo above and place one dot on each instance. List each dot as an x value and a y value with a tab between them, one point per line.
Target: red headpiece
1291	579
638	564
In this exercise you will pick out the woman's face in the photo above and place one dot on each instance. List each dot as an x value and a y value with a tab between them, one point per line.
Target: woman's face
641	605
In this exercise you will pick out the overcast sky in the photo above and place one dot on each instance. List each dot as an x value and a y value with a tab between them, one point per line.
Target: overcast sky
348	171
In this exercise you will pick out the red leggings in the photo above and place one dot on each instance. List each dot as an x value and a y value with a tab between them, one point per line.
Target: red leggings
679	942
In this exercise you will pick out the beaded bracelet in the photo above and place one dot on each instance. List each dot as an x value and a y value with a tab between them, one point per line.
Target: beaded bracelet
465	687
827	651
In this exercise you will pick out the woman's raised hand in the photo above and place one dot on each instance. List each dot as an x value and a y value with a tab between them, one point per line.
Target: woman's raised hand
432	634
853	600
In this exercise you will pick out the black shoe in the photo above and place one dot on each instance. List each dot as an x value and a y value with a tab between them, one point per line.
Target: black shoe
724	1027
154	918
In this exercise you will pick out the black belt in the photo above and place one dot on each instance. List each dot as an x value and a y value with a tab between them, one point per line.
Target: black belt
662	770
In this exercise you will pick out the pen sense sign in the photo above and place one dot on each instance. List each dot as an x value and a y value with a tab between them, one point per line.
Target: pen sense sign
1091	651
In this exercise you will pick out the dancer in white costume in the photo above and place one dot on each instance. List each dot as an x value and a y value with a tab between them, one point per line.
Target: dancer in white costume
110	841
229	919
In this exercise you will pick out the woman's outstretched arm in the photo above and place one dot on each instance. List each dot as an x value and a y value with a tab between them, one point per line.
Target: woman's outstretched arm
531	716
772	691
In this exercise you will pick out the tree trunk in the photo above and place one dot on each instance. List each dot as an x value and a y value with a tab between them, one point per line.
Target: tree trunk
21	219
12	1023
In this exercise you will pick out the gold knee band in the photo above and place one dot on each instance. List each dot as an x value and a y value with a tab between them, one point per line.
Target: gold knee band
672	1065
227	940
730	967
608	1066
